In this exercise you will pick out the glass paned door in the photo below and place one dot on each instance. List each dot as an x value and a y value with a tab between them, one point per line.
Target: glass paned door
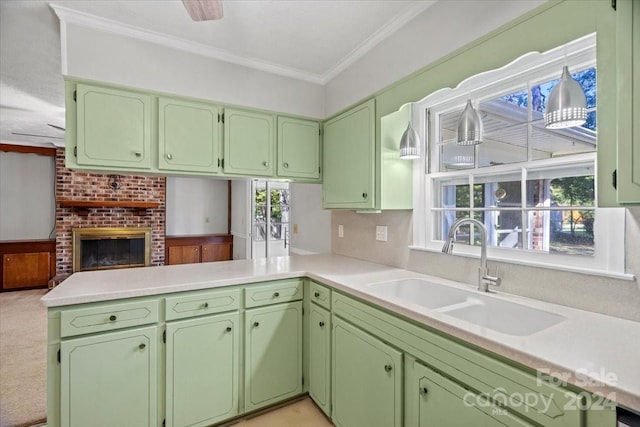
270	219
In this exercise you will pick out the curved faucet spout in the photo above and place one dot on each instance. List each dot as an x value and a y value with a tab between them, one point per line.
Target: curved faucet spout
483	277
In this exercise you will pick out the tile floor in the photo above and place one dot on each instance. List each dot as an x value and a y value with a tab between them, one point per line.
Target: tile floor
303	413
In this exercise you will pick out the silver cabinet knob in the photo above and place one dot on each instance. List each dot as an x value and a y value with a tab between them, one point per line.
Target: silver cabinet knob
285	164
388	368
364	195
265	164
142	346
138	153
169	156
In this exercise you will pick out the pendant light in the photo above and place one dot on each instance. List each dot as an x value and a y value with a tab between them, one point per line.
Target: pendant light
469	126
409	144
567	106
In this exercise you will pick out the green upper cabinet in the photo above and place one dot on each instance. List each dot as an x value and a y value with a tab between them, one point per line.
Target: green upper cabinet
362	165
113	127
349	159
298	148
248	143
109	379
628	61
273	354
366	379
320	357
202	370
188	136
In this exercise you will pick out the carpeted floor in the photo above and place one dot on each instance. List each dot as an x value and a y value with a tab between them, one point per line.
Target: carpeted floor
23	342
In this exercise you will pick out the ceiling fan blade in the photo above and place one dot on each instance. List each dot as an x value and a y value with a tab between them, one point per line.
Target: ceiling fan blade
36	136
203	10
56	127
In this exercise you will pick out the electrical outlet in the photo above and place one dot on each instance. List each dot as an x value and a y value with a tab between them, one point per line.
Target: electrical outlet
340	231
381	233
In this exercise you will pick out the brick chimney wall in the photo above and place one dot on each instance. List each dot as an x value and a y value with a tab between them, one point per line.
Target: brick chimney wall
72	185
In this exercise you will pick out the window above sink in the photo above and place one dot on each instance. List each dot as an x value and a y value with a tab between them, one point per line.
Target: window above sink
532	187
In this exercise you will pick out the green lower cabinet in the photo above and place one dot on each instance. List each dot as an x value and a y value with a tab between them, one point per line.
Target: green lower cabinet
366	380
202	370
273	354
110	379
432	400
320	357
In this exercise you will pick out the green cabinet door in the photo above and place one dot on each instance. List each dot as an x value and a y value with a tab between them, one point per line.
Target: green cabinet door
366	379
432	400
273	354
349	159
248	143
320	357
113	127
298	148
202	370
628	112
188	136
110	379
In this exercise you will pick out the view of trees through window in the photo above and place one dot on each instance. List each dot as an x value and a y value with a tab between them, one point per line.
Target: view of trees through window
557	212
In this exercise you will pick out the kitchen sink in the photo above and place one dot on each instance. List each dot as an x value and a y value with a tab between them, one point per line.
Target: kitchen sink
479	309
421	292
502	316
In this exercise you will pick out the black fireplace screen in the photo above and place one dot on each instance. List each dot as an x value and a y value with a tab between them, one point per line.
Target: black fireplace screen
102	248
112	252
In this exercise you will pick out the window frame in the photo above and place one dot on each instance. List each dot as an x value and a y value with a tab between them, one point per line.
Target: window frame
609	255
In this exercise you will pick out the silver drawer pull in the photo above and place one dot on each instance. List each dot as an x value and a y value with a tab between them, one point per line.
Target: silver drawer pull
113	318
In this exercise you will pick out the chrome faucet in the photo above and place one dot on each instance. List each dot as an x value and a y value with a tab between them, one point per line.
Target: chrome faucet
484	280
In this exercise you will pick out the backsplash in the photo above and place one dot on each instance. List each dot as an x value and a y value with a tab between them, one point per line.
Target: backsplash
614	297
72	185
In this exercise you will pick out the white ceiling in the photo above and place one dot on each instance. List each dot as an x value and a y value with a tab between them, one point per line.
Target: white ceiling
309	39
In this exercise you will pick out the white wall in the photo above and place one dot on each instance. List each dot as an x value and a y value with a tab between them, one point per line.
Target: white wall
196	206
313	222
240	193
439	30
107	57
27	196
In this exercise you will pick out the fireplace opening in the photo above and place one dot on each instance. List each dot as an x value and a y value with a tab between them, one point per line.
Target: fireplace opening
108	248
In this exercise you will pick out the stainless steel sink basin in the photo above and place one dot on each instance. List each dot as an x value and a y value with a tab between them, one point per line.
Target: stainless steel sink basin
477	308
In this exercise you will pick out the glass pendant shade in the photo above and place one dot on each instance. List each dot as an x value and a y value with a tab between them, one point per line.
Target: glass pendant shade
409	144
567	106
469	126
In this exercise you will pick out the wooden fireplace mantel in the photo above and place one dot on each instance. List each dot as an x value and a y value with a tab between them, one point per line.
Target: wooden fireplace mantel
82	206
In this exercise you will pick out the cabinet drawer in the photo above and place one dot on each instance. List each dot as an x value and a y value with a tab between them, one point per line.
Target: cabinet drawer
107	317
199	303
321	295
265	294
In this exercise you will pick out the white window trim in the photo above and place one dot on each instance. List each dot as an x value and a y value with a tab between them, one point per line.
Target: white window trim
609	258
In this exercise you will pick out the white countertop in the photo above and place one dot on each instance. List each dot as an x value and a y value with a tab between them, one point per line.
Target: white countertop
600	353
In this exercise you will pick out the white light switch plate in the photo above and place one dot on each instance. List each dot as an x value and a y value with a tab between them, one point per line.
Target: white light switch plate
381	233
340	231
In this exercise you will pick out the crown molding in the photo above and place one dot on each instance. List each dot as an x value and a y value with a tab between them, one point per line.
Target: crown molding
401	19
71	16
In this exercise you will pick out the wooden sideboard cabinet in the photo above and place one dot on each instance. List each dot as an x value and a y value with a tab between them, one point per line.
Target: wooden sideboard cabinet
27	264
200	248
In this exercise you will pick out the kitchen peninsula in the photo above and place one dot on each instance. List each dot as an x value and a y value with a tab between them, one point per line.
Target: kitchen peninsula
152	326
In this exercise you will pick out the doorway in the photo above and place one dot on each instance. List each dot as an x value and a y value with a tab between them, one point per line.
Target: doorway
270	213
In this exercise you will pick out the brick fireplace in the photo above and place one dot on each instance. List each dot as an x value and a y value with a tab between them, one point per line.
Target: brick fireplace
126	190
